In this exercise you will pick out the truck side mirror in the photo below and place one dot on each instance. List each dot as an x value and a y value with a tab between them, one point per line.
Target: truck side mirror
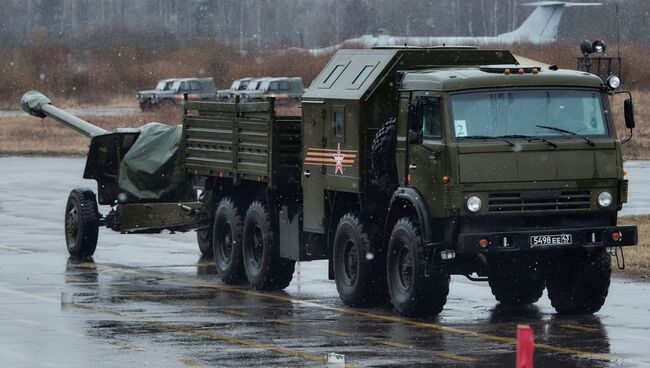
415	122
628	109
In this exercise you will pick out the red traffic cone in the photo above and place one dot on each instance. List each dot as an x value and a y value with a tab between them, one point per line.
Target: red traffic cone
525	346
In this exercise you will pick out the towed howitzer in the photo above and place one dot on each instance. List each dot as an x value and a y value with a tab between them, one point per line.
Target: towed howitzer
36	104
137	173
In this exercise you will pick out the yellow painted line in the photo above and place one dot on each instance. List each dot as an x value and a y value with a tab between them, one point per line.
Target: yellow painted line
30	295
191	362
236	312
29	322
456	357
44	326
579	327
392	344
369	315
125	346
189	330
215	336
14	249
338	333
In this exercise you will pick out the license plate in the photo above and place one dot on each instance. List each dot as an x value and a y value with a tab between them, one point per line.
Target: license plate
558	239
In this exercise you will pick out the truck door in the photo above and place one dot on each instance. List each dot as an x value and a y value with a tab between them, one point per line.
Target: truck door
425	148
315	116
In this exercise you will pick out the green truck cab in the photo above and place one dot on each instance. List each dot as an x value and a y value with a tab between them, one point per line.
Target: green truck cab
407	165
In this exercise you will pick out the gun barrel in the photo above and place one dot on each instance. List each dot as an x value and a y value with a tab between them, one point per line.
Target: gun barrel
37	104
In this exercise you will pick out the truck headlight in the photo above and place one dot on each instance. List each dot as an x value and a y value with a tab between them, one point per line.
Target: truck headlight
473	204
613	82
604	199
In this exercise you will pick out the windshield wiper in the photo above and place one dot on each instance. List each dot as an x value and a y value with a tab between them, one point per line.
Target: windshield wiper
530	138
589	142
488	137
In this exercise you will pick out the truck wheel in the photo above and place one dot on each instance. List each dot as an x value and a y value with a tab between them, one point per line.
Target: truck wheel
413	290
515	280
382	158
167	104
204	238
81	223
359	273
226	235
581	283
265	269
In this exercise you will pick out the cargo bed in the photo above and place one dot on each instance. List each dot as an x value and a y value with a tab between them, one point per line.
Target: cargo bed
242	141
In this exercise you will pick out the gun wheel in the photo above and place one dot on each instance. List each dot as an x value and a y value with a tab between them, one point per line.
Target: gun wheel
81	223
204	239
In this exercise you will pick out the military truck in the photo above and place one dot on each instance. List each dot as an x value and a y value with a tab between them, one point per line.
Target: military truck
407	165
169	92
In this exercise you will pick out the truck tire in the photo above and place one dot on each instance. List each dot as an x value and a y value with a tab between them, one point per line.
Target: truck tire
581	283
265	269
359	272
382	157
204	239
81	223
227	235
515	280
167	103
414	292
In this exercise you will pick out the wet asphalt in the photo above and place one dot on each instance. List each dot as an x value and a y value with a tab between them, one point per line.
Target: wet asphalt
152	300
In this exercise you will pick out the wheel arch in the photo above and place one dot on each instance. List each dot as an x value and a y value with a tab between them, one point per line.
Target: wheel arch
407	201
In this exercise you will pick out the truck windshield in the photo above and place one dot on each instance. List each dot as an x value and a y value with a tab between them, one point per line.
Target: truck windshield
264	86
164	86
512	113
254	85
239	85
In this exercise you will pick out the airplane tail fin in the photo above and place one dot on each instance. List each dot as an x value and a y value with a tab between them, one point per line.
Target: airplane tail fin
542	24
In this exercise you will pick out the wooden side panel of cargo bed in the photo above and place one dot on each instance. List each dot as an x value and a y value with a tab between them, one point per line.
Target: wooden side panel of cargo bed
241	141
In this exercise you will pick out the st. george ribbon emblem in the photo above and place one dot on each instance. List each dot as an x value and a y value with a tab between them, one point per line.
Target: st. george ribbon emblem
338	158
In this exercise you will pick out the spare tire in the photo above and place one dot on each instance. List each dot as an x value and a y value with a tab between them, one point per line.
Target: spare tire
382	158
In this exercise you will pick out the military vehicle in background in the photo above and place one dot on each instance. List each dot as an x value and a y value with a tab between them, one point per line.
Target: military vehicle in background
169	92
406	166
253	85
145	98
283	89
235	87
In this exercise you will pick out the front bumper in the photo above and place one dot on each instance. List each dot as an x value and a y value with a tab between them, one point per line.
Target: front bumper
522	240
